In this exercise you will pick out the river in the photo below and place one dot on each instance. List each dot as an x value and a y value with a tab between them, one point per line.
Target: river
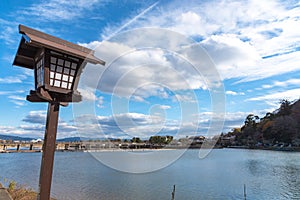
220	175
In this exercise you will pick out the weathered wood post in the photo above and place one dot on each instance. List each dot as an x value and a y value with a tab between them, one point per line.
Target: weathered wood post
245	195
173	193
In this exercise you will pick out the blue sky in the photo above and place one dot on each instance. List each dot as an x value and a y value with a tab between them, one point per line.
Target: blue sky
253	44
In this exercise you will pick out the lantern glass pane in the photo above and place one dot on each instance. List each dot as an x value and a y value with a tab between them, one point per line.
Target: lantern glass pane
58	76
64	85
57	83
67	64
52	67
53	60
40	72
62	70
59	69
66	70
65	78
51	74
74	65
71	79
60	62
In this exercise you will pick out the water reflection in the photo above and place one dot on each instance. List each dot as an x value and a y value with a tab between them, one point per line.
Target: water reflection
221	175
282	169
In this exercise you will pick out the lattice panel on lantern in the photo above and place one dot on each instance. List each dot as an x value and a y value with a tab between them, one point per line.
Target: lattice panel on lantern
62	72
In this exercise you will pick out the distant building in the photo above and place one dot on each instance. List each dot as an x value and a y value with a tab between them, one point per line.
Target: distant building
37	141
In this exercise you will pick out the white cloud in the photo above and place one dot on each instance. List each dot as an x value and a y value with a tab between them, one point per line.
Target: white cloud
184	98
282	83
36	117
291	94
18	103
15	97
164	107
12	79
119	125
128	125
17	100
140	73
237	35
89	95
233	93
11	92
189	23
34	126
232	57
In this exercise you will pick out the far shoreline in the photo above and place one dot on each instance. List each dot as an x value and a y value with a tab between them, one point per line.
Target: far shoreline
283	149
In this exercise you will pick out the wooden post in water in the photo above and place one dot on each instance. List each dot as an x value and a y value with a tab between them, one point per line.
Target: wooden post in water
245	196
173	193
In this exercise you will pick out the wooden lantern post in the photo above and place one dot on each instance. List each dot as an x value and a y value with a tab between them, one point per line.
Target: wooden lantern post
57	66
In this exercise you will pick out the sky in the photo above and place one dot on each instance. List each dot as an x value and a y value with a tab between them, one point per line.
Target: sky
172	68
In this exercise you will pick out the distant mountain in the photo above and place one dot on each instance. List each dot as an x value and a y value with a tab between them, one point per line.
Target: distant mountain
11	137
73	139
68	139
77	139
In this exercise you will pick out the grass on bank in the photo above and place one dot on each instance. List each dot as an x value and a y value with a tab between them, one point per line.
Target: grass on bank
19	192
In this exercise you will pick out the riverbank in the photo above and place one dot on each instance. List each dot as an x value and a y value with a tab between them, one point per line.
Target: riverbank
4	195
271	148
15	191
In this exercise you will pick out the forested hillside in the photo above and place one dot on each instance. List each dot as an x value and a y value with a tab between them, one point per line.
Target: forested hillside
280	127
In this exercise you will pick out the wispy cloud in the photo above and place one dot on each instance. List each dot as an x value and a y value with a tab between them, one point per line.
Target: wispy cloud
17	100
282	83
233	93
60	10
126	24
13	79
164	107
15	97
8	32
11	92
291	94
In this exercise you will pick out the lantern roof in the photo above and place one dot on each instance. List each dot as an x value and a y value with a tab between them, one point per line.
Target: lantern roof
33	40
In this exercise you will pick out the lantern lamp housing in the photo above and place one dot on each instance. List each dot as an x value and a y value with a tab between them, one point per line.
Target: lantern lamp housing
57	65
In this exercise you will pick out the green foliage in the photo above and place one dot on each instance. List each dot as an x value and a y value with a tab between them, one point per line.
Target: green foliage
285	107
251	121
284	129
12	185
136	140
160	139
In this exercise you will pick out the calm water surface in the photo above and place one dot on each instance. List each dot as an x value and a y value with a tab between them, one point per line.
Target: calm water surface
221	175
